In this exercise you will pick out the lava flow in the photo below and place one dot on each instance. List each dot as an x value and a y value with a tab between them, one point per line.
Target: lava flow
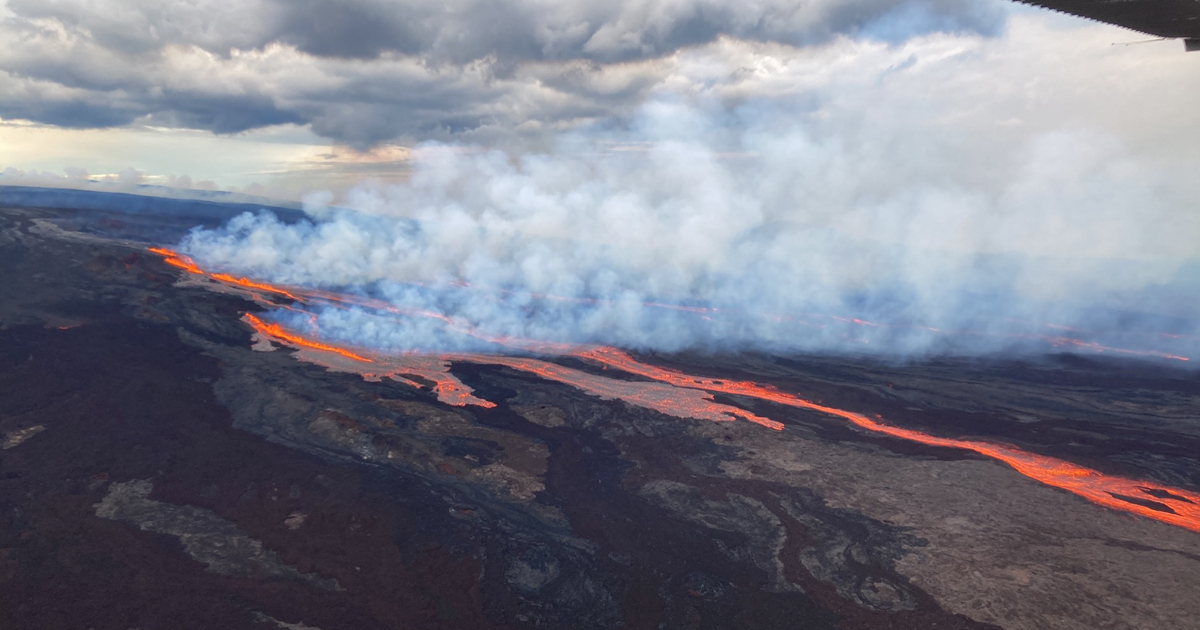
663	398
409	369
278	332
682	395
1140	497
176	259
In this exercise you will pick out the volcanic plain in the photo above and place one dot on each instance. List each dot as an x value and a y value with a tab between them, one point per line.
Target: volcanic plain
166	465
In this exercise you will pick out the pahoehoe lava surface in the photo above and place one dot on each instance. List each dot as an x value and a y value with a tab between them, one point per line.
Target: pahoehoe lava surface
159	472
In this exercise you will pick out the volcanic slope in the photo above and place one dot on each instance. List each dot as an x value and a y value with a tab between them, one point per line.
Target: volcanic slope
161	469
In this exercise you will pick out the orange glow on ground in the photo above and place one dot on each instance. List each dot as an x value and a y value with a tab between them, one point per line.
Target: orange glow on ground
1095	347
412	369
663	398
250	284
446	386
1170	505
682	395
451	391
301	295
277	332
176	260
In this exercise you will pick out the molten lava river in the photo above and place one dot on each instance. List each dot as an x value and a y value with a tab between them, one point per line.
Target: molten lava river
667	391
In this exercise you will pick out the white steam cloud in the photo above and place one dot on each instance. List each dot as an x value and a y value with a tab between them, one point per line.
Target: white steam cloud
790	216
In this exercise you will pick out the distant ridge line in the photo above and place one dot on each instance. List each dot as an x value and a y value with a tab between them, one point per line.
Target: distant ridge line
151	218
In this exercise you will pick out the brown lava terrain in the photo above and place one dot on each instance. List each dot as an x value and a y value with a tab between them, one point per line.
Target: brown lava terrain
157	471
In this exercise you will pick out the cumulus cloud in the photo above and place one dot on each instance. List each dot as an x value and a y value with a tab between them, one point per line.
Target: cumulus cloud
365	71
129	180
72	177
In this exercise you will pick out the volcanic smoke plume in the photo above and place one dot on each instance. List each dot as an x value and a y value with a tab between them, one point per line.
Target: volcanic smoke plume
688	229
687	396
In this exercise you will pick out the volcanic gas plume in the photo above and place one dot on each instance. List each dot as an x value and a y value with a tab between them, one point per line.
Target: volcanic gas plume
669	392
686	230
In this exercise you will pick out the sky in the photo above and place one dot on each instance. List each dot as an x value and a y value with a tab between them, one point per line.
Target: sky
290	96
899	158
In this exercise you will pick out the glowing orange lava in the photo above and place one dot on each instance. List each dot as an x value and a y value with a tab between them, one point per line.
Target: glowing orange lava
1095	347
685	396
250	284
411	369
446	386
176	260
278	332
1170	505
666	399
452	392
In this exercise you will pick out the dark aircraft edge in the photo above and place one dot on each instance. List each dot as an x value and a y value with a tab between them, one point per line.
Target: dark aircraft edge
1170	19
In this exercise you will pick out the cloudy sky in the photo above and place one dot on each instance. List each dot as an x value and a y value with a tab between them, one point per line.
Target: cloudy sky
958	163
287	96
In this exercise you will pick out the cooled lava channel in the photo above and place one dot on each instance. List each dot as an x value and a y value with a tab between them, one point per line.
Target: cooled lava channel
683	395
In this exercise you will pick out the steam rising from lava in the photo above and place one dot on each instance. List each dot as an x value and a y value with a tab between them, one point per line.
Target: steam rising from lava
693	229
669	392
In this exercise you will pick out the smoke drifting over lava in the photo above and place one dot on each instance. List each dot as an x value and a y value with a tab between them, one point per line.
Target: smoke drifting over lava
667	391
691	228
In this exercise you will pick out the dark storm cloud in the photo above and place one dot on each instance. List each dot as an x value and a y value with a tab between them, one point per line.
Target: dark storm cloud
70	114
511	30
349	29
363	71
221	114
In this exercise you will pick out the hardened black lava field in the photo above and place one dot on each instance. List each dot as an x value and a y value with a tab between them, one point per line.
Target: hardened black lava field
165	465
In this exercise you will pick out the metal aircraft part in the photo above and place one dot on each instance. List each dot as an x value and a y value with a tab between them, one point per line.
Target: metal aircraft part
1171	19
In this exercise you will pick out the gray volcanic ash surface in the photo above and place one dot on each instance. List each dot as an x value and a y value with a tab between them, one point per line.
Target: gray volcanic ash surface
161	469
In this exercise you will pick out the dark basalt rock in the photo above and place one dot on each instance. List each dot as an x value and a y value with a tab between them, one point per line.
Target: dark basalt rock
156	472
